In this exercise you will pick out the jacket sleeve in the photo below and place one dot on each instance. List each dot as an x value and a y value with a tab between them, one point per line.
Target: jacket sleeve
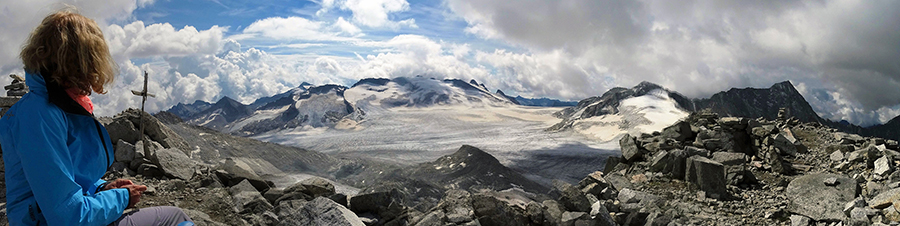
47	165
96	186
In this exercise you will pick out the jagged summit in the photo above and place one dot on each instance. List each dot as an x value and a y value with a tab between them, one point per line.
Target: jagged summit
608	103
760	102
470	168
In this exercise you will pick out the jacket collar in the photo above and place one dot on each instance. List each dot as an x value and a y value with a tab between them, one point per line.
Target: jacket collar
55	93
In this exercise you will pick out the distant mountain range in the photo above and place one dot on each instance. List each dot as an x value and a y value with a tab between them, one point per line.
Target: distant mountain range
327	105
737	102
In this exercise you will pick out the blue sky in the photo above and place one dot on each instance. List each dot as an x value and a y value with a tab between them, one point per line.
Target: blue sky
840	54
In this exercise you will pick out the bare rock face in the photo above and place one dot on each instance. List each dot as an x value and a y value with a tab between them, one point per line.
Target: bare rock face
709	175
821	196
630	149
319	211
175	163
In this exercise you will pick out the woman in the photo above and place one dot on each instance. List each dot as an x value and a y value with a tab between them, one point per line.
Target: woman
54	151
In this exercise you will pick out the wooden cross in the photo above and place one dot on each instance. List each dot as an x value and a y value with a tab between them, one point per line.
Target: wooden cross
144	94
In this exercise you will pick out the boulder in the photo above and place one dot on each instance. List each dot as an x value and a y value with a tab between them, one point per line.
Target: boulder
317	187
680	131
729	158
572	198
319	211
630	149
709	175
273	194
124	151
811	196
552	212
247	199
155	129
201	218
387	204
885	199
883	166
837	156
122	129
494	208
234	171
575	218
601	215
799	220
175	163
457	204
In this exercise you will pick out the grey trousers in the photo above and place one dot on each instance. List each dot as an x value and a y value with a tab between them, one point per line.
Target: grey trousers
155	216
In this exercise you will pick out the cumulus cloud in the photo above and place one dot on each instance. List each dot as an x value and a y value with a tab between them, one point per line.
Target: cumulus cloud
299	28
700	47
20	17
371	13
136	40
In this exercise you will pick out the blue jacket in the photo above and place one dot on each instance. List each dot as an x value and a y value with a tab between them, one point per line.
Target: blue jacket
55	153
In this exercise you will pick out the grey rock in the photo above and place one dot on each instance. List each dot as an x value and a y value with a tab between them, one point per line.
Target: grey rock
809	196
124	151
573	218
552	212
729	158
885	199
175	163
457	204
122	129
234	171
572	198
433	218
247	199
837	156
317	186
534	212
321	211
858	217
799	220
680	131
831	181
630	196
709	175
273	194
630	149
201	218
155	129
496	209
692	151
883	166
387	204
601	215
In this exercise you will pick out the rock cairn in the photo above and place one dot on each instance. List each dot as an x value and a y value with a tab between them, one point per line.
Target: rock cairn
14	91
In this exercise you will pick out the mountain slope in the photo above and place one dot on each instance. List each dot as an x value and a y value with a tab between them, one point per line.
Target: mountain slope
187	111
421	92
754	103
320	106
644	108
544	102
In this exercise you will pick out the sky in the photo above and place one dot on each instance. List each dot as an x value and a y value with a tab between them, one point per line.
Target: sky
840	54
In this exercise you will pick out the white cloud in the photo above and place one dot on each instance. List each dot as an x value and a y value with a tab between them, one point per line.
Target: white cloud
136	40
346	27
371	13
20	17
697	47
299	28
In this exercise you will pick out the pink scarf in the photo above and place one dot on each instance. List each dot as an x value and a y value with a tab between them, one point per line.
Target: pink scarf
82	100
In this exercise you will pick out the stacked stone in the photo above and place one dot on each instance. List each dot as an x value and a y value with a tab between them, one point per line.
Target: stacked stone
17	88
13	92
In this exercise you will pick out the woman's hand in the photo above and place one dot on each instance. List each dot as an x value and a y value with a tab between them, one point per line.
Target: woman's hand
118	183
135	192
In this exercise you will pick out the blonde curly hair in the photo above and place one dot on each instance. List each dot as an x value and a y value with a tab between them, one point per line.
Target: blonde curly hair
69	49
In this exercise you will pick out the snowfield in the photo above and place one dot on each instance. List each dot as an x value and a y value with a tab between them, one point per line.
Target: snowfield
514	134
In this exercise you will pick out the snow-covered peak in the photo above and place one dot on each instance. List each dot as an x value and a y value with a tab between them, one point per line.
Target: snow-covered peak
421	92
